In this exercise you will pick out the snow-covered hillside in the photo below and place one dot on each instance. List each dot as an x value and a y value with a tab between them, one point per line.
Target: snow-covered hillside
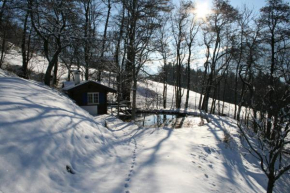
147	90
147	95
42	132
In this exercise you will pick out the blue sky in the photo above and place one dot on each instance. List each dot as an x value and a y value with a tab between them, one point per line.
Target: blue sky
256	5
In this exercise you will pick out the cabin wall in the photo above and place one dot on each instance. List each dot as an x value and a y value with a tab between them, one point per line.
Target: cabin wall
93	110
79	95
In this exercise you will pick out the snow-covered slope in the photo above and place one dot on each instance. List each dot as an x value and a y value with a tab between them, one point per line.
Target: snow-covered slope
147	96
41	133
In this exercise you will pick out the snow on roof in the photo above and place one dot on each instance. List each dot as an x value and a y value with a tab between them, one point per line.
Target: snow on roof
68	85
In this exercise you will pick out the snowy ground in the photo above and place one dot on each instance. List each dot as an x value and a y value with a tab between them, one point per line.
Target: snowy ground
191	159
42	132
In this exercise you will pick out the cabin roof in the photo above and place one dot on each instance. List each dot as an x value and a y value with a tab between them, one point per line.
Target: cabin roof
69	85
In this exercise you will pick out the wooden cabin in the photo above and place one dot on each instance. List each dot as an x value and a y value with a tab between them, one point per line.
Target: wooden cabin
90	95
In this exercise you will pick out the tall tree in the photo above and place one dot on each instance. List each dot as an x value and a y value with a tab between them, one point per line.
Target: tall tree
219	22
275	20
138	14
190	41
244	34
179	25
26	41
163	48
90	14
108	4
6	25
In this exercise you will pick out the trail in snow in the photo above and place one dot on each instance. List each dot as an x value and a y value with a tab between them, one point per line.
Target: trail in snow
132	166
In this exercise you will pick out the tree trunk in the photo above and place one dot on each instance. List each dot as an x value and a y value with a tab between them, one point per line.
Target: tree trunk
271	182
164	88
241	103
130	53
271	86
207	94
188	77
3	48
134	94
55	72
2	10
51	64
119	68
224	92
104	39
86	36
204	77
23	48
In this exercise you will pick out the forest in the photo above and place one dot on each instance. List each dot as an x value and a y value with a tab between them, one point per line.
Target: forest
229	54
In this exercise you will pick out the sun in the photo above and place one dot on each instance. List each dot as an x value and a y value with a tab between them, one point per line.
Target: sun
202	10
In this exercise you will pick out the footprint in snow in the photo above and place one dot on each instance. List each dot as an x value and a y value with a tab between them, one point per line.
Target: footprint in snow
212	184
69	170
206	175
209	151
133	163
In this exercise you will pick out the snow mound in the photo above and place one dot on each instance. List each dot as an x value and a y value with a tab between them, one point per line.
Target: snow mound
43	134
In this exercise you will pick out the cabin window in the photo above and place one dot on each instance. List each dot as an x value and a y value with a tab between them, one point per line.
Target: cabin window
93	98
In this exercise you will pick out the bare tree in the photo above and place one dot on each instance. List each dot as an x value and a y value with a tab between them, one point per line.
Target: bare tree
6	15
50	20
141	18
190	41
27	40
274	161
163	48
245	33
219	26
108	4
179	24
275	20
